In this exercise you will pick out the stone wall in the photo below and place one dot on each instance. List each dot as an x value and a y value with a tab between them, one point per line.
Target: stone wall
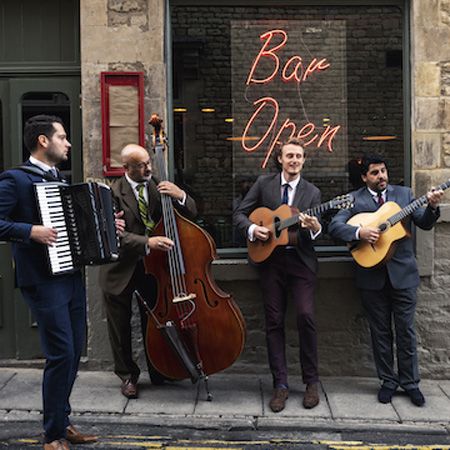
125	35
128	35
430	121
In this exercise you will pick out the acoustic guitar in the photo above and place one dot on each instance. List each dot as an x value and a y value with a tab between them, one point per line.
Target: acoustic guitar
388	220
278	222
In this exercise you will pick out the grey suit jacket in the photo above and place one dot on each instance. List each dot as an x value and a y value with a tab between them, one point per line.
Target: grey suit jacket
402	267
267	192
115	277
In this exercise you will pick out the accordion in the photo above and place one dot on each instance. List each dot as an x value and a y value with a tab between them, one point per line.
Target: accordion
83	215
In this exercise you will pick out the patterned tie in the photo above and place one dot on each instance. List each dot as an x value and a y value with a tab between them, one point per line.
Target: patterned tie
143	211
285	197
380	199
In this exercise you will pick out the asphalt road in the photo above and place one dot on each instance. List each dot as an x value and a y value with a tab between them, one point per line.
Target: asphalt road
26	436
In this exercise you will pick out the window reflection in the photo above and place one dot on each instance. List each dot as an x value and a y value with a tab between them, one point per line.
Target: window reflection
361	91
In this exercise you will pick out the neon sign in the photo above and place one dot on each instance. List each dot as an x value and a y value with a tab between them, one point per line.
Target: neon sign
295	70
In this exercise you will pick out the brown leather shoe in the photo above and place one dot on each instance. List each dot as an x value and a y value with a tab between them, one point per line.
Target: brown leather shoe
278	400
311	397
75	437
129	389
59	444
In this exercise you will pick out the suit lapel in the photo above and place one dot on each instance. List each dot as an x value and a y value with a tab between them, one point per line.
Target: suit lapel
390	194
153	200
274	187
368	200
298	193
128	197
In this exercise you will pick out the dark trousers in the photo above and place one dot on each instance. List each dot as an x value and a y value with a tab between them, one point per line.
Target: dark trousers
119	313
382	307
59	307
284	272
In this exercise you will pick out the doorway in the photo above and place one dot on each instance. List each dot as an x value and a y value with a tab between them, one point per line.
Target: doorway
20	99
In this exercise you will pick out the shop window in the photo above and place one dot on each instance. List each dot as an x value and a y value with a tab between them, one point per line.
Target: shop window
246	78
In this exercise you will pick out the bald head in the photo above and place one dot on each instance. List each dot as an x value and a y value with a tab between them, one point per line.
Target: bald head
137	163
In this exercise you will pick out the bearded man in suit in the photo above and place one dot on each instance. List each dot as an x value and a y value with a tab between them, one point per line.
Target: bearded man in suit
388	291
138	195
291	268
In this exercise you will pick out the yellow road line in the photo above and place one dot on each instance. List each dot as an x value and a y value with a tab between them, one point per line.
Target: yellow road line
141	444
201	448
390	447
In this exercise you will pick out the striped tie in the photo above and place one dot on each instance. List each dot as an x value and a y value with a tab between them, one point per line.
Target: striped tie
143	211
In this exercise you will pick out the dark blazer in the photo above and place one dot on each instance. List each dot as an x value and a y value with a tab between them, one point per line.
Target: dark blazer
267	192
115	277
402	267
18	213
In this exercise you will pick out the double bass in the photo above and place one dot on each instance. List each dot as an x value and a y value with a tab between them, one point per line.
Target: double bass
195	329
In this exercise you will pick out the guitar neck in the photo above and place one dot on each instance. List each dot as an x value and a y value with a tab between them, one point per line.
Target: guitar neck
315	211
416	204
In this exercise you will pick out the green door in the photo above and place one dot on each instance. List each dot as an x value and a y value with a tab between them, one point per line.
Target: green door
21	98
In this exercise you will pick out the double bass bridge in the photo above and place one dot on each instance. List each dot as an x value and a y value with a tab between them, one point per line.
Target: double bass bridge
184	298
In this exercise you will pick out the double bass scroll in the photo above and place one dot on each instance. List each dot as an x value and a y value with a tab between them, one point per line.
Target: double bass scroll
207	320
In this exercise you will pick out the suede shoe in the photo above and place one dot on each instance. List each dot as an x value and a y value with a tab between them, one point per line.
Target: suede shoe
385	394
129	389
75	437
59	444
311	397
416	396
278	401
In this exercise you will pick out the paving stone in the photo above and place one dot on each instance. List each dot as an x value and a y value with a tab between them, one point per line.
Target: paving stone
170	398
356	398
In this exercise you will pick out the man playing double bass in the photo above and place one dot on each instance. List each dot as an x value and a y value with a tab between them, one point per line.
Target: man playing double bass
288	268
138	194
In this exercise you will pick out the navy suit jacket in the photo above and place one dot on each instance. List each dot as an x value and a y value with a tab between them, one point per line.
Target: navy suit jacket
18	213
267	192
402	267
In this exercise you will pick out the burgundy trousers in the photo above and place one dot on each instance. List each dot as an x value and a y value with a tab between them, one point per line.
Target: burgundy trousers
285	276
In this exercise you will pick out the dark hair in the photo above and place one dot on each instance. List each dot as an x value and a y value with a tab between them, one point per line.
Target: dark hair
279	148
367	160
36	126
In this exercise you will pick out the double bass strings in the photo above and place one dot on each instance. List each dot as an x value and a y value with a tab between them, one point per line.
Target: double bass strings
174	255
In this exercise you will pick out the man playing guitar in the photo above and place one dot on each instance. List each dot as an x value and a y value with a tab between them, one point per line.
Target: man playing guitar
292	267
388	290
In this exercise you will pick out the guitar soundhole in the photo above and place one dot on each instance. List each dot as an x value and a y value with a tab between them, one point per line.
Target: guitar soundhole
276	222
383	227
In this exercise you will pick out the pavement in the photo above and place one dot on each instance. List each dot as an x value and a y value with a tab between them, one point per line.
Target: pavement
240	403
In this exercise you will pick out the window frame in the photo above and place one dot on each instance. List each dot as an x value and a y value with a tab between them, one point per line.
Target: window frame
404	5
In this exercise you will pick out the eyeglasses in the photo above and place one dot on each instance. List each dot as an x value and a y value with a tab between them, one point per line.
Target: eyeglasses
142	165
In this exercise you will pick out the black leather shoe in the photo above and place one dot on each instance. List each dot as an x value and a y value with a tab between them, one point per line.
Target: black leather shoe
385	394
416	396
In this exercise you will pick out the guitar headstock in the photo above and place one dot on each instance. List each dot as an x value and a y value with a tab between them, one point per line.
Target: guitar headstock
342	202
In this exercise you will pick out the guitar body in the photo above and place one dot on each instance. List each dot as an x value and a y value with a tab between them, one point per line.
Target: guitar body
259	251
371	255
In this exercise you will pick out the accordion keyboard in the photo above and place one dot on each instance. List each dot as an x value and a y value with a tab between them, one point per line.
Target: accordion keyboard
52	214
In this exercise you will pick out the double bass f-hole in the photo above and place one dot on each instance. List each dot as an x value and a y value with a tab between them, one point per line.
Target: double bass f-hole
195	329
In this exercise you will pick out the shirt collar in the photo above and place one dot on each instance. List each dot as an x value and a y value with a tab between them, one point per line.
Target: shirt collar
375	194
293	184
134	185
40	164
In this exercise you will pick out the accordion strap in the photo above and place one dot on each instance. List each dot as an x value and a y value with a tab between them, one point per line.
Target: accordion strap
37	171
